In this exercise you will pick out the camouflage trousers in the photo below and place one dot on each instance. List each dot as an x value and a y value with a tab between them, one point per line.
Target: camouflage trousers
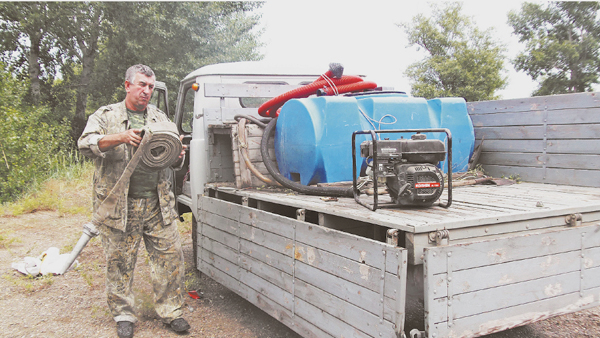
144	220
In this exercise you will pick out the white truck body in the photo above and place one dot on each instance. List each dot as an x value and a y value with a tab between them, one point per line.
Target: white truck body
498	258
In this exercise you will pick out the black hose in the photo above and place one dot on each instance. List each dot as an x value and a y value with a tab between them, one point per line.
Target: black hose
304	189
259	122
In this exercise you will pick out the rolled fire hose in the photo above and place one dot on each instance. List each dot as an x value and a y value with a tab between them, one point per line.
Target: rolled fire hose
160	148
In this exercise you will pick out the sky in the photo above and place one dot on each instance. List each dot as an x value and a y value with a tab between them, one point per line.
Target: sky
364	37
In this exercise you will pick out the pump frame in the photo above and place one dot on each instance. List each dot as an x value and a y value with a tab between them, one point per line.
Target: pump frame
373	133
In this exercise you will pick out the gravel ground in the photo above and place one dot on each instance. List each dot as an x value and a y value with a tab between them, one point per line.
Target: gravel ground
74	305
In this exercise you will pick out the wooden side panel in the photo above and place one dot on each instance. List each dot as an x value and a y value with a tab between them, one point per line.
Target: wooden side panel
244	177
541	139
342	284
484	287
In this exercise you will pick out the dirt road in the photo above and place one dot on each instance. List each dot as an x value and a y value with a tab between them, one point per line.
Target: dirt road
74	305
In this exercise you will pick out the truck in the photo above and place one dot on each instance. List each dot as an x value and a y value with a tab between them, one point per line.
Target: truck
499	257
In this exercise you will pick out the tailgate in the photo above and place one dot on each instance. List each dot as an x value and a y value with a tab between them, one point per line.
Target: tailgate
489	286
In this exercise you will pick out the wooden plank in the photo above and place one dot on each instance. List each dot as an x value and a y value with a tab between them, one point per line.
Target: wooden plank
302	327
211	231
514	146
269	273
267	221
220	208
223	265
267	289
591	277
355	248
210	246
503	319
266	256
576	100
350	292
470	304
573	131
267	239
573	177
506	106
344	311
501	250
590	146
503	274
513	159
527	118
565	161
510	133
528	174
572	161
246	89
574	116
327	322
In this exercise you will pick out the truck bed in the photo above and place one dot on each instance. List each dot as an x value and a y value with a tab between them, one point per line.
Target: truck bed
477	212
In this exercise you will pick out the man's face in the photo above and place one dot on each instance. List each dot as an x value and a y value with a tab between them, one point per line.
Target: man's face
139	92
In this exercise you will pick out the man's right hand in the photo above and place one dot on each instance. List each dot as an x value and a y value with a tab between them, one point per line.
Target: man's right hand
130	136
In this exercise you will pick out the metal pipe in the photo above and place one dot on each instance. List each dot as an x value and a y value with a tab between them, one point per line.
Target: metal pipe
89	231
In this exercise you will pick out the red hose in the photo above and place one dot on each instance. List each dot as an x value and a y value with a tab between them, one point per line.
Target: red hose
345	84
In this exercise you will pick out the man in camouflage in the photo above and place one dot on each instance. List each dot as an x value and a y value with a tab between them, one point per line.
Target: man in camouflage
144	208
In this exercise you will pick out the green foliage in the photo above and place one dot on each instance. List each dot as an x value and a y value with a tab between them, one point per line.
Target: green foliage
561	45
463	61
173	38
91	44
28	145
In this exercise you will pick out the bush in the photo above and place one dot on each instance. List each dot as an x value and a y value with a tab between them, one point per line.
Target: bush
30	149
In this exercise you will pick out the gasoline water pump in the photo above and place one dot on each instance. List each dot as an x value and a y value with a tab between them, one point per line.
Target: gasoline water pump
408	167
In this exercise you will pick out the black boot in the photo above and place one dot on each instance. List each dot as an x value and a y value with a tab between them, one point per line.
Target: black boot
125	329
180	325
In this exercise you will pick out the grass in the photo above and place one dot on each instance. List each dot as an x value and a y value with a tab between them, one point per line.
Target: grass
67	191
6	239
29	284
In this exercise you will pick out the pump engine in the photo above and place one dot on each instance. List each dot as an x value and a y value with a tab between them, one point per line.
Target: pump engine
408	168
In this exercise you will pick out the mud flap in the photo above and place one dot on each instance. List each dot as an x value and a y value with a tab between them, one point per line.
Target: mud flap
489	286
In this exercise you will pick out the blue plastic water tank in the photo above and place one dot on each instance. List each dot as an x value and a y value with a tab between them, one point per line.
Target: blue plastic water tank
313	136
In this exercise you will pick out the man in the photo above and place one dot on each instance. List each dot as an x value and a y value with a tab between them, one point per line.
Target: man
145	208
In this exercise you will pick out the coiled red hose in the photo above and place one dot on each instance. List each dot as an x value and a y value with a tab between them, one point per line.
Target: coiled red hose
345	84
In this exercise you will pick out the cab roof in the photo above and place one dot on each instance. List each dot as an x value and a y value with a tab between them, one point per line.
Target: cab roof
257	68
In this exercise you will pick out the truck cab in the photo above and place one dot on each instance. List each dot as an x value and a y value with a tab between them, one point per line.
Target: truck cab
209	99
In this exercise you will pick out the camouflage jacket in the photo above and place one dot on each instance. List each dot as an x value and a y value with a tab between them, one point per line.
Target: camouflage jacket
109	165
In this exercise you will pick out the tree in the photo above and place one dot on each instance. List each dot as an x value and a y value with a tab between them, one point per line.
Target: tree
93	43
83	26
462	60
174	38
26	43
561	45
29	146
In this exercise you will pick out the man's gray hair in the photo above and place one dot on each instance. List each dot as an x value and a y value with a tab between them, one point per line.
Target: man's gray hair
142	69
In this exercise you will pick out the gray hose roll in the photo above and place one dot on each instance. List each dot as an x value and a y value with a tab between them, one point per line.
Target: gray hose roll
160	148
163	147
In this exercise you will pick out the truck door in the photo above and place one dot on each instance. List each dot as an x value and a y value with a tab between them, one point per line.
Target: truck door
160	98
